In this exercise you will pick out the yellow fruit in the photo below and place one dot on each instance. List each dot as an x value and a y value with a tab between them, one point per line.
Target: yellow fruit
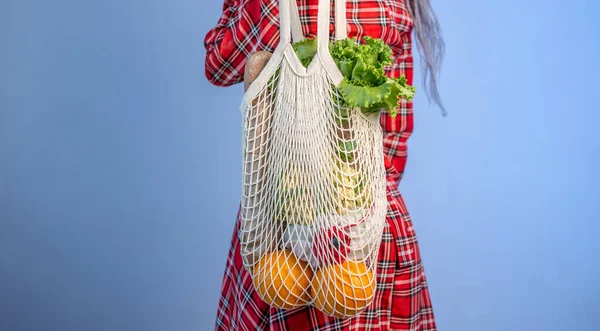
343	290
282	280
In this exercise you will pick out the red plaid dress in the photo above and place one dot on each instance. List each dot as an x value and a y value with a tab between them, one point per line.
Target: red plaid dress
402	298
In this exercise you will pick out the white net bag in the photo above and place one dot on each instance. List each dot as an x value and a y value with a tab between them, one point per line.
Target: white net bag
314	189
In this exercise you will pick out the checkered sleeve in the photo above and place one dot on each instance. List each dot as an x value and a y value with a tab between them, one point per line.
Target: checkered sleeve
244	27
396	131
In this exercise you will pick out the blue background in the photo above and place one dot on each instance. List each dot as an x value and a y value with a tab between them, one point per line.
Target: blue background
119	169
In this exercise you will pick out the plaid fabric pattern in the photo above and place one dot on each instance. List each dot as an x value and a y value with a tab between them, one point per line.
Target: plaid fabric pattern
402	299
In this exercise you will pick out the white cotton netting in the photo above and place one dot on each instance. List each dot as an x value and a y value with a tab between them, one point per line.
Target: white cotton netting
314	193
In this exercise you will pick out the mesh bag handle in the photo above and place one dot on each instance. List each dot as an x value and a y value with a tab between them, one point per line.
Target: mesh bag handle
296	25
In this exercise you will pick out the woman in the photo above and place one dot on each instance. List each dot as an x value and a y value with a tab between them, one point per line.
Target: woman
402	298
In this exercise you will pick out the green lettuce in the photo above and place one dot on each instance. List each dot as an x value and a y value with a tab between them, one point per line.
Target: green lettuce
306	50
365	84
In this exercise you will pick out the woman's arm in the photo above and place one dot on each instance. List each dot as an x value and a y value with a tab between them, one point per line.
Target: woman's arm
397	130
245	27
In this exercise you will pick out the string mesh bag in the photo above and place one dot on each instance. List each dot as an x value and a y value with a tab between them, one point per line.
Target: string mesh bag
314	200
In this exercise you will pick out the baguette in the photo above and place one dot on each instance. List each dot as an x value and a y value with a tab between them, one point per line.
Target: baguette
258	125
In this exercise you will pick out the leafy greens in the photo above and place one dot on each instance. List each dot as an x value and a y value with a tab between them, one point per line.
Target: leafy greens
365	84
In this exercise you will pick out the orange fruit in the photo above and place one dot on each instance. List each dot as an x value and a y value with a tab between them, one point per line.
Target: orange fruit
343	290
282	280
